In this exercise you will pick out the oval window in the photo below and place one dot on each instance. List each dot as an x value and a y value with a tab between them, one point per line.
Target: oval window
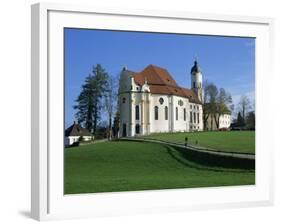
180	102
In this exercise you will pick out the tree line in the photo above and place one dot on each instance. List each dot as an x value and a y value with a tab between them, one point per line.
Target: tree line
97	100
217	101
246	117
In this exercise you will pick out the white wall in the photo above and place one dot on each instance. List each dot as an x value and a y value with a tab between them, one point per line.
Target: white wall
147	113
124	111
197	79
180	124
71	139
125	84
160	125
194	125
224	122
15	112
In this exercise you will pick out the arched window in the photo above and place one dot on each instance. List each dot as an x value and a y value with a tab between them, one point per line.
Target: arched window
137	112
156	113
124	100
177	114
166	113
194	117
184	114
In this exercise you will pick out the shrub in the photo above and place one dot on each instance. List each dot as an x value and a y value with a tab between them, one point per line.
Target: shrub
75	144
223	129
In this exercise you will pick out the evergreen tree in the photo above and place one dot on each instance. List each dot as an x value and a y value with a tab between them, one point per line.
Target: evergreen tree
89	100
250	120
100	84
240	120
85	106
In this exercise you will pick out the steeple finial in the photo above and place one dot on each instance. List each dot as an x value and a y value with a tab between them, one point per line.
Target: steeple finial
125	68
195	59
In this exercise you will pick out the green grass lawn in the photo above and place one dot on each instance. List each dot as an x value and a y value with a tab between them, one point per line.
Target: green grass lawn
129	166
236	141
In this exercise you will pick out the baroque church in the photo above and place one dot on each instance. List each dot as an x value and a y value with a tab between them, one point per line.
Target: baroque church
151	101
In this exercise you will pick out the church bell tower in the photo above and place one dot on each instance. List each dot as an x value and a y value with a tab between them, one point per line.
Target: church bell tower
197	81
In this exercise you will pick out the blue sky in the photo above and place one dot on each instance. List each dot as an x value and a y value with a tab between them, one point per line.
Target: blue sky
229	62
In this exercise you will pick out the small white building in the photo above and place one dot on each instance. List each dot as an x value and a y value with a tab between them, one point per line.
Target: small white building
150	101
224	122
74	133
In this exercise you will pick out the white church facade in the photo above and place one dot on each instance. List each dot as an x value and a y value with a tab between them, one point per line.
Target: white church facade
150	101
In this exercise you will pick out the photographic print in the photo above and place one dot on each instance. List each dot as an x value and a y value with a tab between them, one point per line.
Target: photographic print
152	111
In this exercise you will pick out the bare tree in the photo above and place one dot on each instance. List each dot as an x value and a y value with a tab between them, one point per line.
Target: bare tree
110	102
206	112
224	102
244	105
216	103
210	99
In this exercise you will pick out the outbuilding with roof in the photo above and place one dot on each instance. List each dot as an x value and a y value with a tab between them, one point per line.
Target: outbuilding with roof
76	133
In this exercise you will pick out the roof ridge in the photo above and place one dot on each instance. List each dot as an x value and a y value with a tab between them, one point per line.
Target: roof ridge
150	66
156	66
186	88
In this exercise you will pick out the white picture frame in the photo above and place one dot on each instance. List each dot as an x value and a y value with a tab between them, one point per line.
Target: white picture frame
48	201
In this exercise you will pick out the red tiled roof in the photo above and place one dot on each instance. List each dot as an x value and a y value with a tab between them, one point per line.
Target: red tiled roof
154	76
161	82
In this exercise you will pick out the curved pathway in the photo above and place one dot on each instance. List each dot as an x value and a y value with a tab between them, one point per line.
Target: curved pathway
237	155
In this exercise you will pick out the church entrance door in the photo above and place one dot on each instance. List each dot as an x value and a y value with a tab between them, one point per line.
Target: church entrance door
137	128
124	134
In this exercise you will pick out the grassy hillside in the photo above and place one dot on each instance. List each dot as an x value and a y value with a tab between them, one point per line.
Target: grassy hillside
130	166
237	141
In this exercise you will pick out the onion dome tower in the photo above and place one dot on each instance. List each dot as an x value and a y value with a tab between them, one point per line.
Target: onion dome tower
197	80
